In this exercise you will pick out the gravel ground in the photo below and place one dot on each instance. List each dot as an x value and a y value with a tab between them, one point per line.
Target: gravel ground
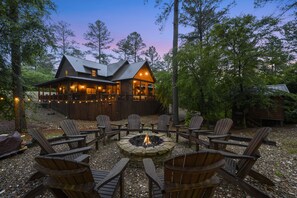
277	163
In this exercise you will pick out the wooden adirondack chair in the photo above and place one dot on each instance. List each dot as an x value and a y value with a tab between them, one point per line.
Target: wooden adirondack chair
78	154
105	126
190	175
71	130
195	124
221	131
47	147
67	178
162	125
235	171
134	124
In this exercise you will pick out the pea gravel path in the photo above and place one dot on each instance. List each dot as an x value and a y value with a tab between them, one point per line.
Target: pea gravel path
277	163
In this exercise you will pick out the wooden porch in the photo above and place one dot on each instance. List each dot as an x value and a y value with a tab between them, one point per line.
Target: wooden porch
116	109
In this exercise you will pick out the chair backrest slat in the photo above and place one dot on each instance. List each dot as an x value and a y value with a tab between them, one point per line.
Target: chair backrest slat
79	183
134	122
69	127
41	141
104	120
244	165
163	122
203	165
223	126
196	121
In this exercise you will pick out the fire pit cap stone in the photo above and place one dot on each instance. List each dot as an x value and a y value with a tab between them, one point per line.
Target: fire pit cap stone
128	148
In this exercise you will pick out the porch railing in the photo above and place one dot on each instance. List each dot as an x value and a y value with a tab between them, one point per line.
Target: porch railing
92	97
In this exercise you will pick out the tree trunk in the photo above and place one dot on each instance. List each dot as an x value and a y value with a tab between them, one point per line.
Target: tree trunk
18	93
175	65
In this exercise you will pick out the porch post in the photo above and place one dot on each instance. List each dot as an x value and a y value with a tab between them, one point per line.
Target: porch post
42	93
50	92
68	100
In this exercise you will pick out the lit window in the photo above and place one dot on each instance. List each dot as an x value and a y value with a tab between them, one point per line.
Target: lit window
66	72
91	91
94	73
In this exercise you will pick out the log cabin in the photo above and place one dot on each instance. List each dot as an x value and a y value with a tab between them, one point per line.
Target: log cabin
83	89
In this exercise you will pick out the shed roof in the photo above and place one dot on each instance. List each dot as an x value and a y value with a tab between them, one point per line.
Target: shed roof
278	87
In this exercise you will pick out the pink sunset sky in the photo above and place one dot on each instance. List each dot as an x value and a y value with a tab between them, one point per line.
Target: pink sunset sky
123	17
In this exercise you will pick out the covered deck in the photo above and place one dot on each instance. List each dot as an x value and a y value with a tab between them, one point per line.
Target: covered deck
85	98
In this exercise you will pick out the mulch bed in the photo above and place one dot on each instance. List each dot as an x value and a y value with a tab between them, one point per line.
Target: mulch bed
277	163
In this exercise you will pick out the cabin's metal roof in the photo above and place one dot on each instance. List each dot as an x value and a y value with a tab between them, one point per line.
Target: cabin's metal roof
114	67
128	71
278	87
121	70
80	65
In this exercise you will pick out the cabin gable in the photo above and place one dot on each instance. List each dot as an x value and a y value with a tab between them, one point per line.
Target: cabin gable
65	69
145	74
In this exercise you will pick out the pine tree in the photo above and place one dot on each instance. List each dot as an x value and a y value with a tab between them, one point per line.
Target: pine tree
99	39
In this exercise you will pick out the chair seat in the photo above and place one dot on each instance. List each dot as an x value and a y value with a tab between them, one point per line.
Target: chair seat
109	189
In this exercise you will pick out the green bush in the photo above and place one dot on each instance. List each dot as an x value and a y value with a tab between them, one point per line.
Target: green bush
290	105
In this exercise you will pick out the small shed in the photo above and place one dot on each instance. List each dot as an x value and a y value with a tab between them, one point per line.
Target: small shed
259	116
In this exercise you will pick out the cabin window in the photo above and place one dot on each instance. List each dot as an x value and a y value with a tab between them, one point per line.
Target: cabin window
94	73
91	91
66	72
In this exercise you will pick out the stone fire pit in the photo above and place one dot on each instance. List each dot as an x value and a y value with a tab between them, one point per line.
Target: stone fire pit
162	146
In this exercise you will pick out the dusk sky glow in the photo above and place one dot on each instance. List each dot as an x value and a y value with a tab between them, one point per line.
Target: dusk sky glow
123	17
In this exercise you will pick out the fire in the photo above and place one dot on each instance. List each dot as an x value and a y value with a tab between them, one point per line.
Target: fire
147	140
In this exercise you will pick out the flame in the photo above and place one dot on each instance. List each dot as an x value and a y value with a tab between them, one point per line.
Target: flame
146	140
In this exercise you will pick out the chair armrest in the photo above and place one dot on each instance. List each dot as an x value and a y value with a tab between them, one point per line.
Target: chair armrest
218	136
193	129
248	139
216	141
75	136
117	125
54	139
180	126
67	141
83	158
236	156
150	171
115	171
204	132
70	152
89	131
